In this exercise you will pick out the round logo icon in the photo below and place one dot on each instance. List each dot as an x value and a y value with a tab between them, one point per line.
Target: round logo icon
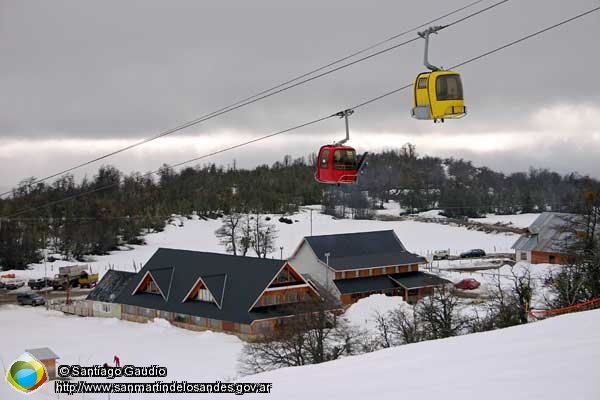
26	374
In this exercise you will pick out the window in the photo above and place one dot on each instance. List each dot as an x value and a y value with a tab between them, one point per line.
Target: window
324	159
292	297
244	328
152	288
200	321
413	292
523	255
147	312
165	314
422	84
127	309
214	323
106	308
552	259
449	87
344	159
204	295
181	318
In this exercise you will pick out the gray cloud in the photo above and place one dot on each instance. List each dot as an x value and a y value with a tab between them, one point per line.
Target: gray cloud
130	69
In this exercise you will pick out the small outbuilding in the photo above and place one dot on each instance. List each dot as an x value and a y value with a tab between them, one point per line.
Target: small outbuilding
47	357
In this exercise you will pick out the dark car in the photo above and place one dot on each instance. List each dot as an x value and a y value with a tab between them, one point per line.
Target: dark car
467	284
473	253
37	284
2	285
33	299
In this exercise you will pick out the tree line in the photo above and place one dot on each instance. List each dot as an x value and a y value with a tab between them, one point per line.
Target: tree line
120	208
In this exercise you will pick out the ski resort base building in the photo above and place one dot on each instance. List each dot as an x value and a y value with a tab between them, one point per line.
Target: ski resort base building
207	291
356	265
250	297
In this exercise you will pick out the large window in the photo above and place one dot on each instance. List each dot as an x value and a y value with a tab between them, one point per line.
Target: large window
344	159
422	83
448	87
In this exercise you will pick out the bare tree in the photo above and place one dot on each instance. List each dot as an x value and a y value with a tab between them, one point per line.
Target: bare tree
263	237
314	334
439	315
228	233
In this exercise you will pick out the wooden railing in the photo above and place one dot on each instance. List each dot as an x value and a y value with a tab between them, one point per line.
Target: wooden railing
588	305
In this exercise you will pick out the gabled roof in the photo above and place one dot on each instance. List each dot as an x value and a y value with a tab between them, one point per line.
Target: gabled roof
362	250
110	286
235	281
409	280
550	232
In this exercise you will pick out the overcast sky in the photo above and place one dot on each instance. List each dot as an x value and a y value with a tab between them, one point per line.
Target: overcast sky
79	79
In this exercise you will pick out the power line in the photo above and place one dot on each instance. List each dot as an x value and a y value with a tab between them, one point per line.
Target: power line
277	89
261	138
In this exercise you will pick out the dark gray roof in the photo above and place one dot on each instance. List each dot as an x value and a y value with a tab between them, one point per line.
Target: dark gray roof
367	284
43	353
550	232
111	284
408	280
362	250
235	281
414	280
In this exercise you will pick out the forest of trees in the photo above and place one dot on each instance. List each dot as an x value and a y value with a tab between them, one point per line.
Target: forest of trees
120	208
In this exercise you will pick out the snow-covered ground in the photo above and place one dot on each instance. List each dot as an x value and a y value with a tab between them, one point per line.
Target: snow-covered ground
197	234
555	359
518	221
192	356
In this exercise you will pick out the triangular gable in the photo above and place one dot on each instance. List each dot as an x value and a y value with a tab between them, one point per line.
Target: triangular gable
163	277
144	282
270	286
215	287
286	275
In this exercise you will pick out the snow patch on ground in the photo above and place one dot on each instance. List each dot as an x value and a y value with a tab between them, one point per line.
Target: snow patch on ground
518	221
362	313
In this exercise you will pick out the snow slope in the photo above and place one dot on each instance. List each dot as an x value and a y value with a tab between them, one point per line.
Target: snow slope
193	356
555	359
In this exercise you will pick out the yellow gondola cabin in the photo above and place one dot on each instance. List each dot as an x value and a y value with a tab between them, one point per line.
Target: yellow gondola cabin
438	95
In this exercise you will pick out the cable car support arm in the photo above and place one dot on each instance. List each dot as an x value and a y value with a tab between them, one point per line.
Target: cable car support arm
425	35
345	114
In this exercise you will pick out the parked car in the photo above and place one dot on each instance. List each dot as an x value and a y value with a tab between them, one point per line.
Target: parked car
2	284
37	284
467	284
473	253
12	284
33	299
441	254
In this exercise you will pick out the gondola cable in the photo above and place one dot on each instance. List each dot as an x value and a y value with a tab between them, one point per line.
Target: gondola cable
261	138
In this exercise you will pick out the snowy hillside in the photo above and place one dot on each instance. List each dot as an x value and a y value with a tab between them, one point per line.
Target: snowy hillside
555	359
197	234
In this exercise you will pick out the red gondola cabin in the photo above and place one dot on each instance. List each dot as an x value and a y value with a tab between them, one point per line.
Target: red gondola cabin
337	164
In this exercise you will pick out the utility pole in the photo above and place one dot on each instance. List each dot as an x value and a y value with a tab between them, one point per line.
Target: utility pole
281	252
311	210
327	272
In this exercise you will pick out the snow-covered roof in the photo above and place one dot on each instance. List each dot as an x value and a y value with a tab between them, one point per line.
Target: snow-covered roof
550	232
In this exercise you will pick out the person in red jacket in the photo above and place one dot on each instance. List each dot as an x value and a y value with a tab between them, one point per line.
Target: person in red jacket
117	361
